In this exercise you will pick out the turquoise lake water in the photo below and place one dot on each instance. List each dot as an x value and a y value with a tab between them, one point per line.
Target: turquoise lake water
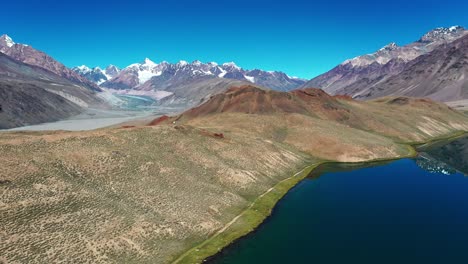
406	211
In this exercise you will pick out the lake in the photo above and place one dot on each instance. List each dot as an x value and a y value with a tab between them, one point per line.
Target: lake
405	211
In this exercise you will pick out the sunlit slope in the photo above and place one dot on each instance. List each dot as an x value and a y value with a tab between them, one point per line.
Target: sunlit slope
147	194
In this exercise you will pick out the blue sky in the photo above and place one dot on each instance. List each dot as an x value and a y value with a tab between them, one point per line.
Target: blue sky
301	38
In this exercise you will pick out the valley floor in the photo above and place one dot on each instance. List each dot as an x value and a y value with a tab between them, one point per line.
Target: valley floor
89	120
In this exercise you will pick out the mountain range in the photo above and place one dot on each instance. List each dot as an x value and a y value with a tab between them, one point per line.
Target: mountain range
148	75
433	66
96	74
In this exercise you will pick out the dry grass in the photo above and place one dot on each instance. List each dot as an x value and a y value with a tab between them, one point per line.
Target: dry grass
133	195
147	194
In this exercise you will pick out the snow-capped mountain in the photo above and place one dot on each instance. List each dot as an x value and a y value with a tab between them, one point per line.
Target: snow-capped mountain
6	42
439	75
148	75
443	34
96	74
29	55
387	61
409	52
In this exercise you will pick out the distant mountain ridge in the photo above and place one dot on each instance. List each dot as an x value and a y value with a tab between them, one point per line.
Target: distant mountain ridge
440	75
362	76
148	75
31	95
96	74
27	54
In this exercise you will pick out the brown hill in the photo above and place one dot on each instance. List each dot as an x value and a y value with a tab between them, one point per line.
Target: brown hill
254	100
325	126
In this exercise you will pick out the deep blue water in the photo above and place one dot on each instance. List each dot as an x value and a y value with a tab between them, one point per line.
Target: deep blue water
392	213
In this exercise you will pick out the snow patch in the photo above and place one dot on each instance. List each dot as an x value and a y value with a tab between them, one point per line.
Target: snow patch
146	75
182	63
223	72
250	78
8	41
83	69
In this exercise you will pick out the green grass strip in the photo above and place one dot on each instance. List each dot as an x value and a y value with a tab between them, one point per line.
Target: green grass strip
244	223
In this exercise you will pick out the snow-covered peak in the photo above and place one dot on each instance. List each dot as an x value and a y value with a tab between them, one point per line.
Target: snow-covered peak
455	28
196	63
149	62
182	63
389	47
112	71
231	65
6	40
148	74
83	69
112	68
443	33
146	63
411	51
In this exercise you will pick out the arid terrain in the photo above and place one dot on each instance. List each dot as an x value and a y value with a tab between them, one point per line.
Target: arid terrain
149	193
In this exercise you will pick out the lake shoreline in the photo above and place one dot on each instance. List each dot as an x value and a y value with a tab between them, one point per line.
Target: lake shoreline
216	243
210	248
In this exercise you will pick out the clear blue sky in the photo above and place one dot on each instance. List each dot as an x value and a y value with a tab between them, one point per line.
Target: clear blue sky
301	38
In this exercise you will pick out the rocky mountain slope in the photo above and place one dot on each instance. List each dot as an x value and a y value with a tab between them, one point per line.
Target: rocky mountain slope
32	95
356	76
440	75
29	55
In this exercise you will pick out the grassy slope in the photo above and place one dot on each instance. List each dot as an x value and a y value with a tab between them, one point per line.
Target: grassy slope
147	195
139	195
